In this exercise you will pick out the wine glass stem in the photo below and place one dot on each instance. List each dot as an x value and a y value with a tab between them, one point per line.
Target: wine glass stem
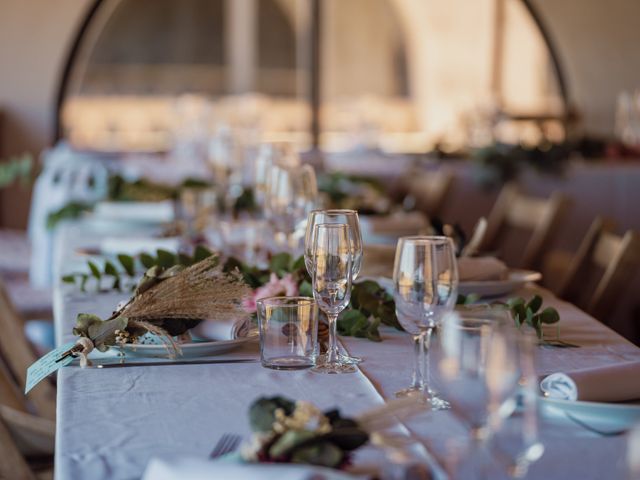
425	343
332	353
418	377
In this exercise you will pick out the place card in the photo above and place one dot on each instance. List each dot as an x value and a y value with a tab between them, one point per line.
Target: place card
46	365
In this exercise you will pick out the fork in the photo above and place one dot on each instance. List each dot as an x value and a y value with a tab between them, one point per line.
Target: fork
227	444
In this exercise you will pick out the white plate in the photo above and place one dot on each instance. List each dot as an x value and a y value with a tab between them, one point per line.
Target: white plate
606	417
190	350
494	288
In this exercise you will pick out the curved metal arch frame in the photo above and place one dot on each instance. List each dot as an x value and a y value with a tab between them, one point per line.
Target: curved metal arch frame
315	88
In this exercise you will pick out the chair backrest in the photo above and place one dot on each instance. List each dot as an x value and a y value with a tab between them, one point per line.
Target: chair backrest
67	176
12	463
429	189
18	356
540	216
617	256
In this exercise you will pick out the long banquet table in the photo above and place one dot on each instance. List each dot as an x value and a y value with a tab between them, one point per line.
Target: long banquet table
111	422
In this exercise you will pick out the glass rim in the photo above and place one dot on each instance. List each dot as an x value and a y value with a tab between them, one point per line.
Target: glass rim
336	211
436	239
302	301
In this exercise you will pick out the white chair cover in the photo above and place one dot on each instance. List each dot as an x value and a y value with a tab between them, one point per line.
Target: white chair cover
67	176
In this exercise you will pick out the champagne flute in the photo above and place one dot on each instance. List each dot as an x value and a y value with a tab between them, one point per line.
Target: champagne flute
332	259
425	278
337	216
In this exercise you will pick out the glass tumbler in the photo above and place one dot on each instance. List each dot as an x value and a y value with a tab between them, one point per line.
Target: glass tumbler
288	332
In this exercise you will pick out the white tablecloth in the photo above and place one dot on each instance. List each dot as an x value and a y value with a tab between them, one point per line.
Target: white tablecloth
112	422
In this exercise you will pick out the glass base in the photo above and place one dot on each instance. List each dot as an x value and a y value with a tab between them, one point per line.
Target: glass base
323	366
430	398
349	360
287	363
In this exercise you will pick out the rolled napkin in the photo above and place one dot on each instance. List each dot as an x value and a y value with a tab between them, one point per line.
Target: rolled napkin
199	469
147	212
473	269
613	383
219	330
137	245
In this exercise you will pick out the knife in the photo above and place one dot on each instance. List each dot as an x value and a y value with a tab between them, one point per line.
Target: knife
178	362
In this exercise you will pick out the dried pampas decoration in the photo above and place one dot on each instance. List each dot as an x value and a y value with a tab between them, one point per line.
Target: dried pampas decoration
167	303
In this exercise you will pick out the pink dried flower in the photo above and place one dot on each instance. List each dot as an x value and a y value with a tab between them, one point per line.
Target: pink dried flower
276	287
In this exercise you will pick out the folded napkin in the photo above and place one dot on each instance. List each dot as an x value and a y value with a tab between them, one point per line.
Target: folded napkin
398	224
473	269
219	330
137	245
148	212
377	260
613	383
199	469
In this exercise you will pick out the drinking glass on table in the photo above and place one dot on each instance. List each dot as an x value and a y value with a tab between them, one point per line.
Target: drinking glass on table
332	260
344	217
291	194
425	279
288	332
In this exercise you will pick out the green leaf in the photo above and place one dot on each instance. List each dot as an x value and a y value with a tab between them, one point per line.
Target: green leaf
325	454
127	263
147	260
69	278
549	316
95	271
201	252
299	264
535	303
288	441
166	259
280	263
116	283
83	282
110	269
305	290
262	412
184	259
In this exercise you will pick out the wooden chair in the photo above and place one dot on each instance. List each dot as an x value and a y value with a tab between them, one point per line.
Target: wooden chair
536	215
18	355
26	441
618	257
429	189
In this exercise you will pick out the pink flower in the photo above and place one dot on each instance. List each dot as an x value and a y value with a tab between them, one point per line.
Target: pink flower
276	287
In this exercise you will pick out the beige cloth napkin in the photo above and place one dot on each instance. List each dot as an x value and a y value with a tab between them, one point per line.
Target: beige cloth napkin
377	261
398	224
473	269
613	383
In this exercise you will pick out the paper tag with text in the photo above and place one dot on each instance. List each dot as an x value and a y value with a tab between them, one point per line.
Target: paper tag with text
46	365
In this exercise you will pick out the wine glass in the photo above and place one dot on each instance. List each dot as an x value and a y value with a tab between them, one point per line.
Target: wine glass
515	441
332	259
478	369
291	194
425	279
338	216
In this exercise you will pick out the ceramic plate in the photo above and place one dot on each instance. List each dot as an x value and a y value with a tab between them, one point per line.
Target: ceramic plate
494	288
197	348
605	417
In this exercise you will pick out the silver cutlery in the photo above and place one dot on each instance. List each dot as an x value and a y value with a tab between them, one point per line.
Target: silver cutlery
228	443
177	362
